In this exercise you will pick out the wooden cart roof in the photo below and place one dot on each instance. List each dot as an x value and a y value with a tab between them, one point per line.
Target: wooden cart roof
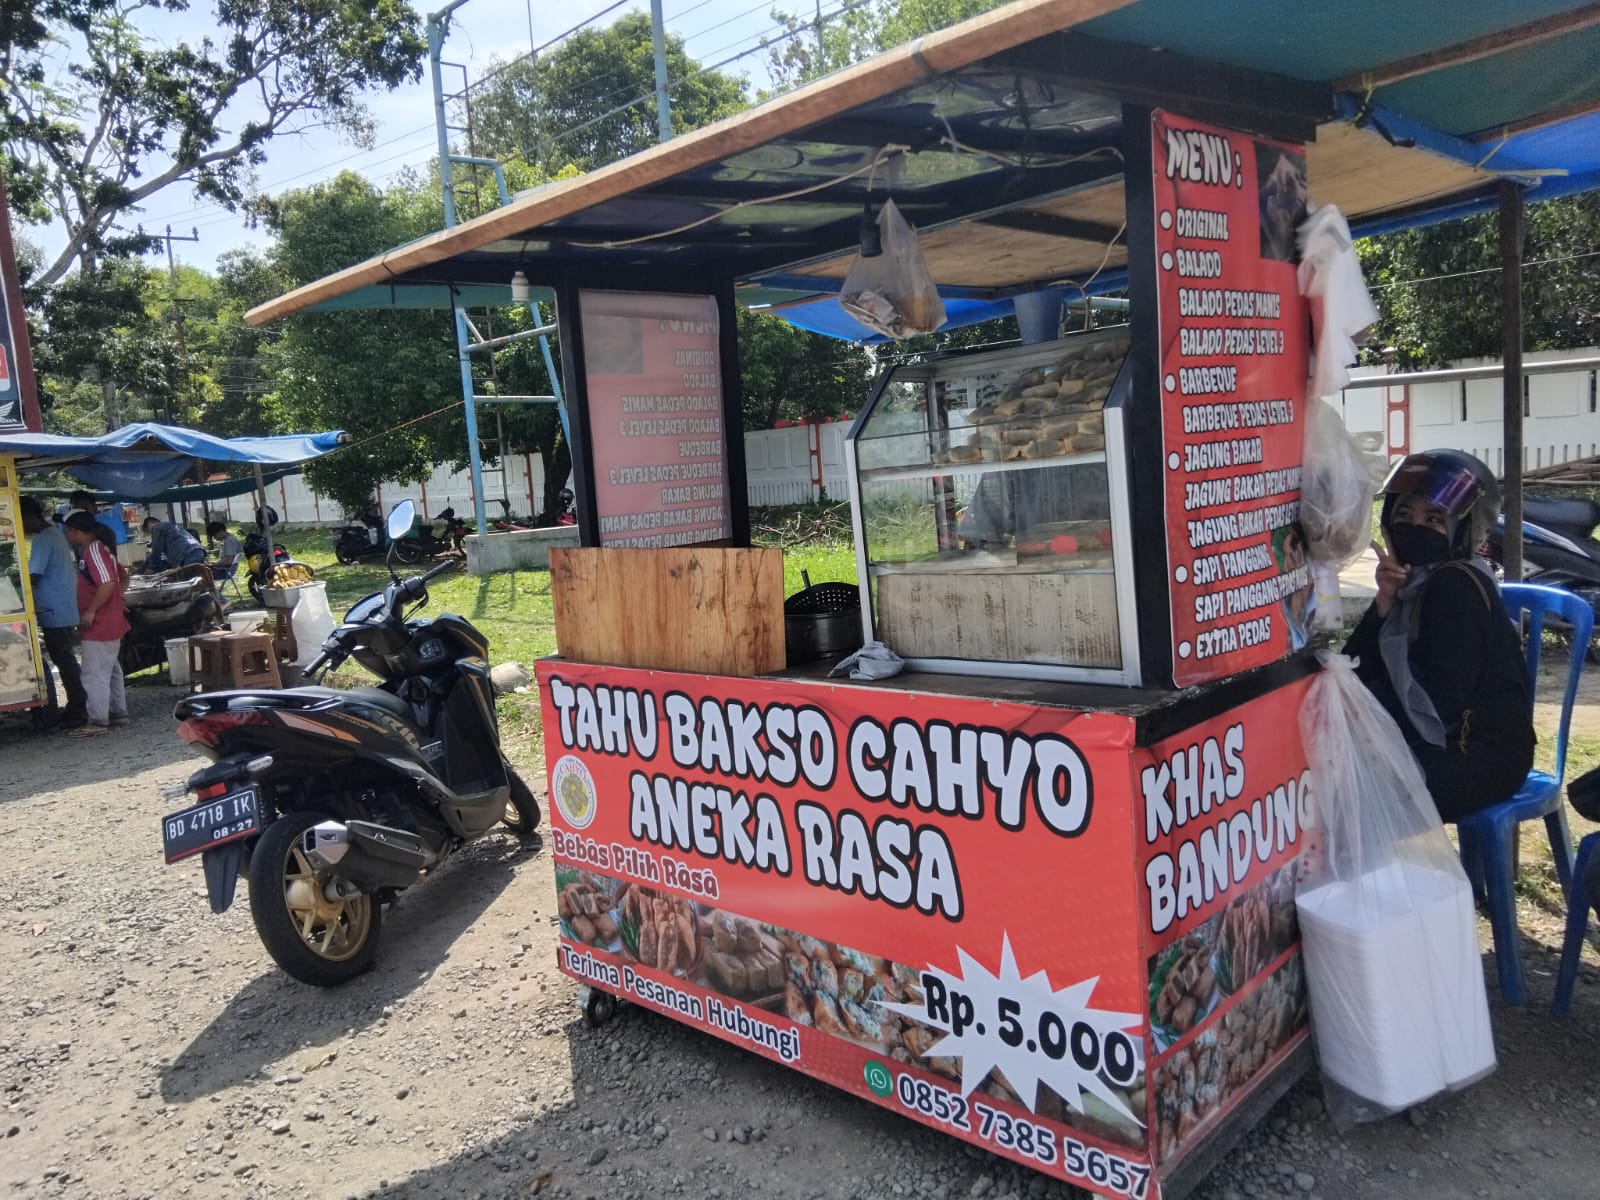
999	139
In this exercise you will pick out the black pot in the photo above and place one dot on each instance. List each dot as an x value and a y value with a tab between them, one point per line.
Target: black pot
823	621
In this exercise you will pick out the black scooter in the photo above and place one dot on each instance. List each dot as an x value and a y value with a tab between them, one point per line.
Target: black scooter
421	543
332	802
362	538
1558	541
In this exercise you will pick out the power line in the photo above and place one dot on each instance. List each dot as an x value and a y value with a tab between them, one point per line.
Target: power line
1535	262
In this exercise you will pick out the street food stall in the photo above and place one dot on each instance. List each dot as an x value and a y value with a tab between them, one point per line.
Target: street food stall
1037	889
23	683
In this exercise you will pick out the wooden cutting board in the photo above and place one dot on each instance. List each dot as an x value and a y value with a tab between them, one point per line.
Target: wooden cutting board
706	609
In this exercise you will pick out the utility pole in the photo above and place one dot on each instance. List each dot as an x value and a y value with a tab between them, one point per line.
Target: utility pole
658	39
177	302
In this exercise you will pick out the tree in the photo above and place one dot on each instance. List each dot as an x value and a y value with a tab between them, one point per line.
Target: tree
858	32
1438	288
371	374
787	373
592	101
136	117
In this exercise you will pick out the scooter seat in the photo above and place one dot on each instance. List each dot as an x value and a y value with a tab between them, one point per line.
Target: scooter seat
1576	515
376	697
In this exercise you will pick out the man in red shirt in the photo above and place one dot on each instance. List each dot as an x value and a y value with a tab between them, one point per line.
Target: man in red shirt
101	624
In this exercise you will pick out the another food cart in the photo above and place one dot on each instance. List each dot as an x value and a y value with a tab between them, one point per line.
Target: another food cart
23	683
1037	890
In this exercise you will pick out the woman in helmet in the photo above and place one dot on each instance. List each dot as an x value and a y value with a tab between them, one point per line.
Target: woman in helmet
1437	646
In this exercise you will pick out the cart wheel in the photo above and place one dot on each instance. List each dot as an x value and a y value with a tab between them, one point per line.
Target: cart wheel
601	1007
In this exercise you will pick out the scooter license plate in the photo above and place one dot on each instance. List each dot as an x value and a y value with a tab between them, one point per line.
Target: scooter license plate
210	824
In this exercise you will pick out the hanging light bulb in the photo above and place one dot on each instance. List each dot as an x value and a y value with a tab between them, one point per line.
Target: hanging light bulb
871	236
521	293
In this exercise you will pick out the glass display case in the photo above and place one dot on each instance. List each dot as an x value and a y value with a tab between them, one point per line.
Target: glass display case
989	494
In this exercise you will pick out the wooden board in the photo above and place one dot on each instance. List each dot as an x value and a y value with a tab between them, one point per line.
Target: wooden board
688	608
1067	618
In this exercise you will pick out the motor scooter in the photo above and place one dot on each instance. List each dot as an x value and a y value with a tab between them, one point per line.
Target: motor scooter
420	542
1558	542
361	539
333	802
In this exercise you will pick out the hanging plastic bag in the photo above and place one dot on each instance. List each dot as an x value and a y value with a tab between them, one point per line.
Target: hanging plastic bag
891	292
1342	313
1387	926
1336	489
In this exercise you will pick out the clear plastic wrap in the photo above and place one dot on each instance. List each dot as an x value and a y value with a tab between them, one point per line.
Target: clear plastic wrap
1388	931
1336	489
892	292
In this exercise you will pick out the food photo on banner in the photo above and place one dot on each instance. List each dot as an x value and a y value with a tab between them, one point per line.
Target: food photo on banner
855	894
1234	341
1227	808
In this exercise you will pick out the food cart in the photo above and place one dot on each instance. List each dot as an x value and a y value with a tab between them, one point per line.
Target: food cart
1036	890
23	683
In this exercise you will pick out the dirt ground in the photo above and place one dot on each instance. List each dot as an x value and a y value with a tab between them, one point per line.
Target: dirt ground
149	1048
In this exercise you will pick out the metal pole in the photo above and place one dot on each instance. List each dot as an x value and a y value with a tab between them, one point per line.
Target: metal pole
658	41
436	29
1511	353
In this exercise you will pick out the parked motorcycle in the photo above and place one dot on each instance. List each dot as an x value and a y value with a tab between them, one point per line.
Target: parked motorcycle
360	539
1558	542
332	802
420	542
564	512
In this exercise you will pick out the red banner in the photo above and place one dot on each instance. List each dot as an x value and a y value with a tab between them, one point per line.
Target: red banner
930	903
1225	816
653	369
1234	343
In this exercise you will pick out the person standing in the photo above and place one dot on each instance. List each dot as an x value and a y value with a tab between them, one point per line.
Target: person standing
171	545
102	623
52	570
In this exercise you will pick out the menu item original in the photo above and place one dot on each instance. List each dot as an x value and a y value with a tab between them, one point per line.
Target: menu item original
653	372
1234	339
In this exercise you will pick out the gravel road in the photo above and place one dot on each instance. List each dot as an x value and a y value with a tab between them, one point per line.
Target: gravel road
150	1049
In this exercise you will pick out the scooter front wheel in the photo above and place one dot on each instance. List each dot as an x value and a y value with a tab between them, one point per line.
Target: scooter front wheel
408	551
318	940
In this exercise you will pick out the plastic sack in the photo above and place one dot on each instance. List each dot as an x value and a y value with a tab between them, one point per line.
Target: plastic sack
892	293
1387	926
1342	313
1336	489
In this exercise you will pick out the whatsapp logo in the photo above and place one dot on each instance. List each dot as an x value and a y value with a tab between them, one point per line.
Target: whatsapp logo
879	1081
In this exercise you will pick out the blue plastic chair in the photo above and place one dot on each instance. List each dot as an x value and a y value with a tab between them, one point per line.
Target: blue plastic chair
1488	837
1578	902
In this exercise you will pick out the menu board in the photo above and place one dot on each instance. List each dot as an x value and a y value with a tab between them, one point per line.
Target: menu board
653	366
1234	341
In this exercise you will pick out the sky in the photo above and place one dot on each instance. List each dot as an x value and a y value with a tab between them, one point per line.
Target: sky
481	32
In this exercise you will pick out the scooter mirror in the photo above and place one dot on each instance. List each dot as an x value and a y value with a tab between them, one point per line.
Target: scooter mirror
401	517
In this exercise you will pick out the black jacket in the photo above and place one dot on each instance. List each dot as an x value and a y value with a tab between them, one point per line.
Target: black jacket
1467	655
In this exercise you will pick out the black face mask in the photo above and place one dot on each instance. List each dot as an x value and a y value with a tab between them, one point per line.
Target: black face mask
1417	545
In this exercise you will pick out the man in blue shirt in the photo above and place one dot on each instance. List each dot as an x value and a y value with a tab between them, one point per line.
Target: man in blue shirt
171	545
53	572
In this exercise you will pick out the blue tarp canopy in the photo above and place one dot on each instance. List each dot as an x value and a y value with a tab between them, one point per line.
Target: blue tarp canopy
1001	140
145	461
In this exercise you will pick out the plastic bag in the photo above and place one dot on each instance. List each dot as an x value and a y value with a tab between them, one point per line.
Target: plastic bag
1342	313
892	292
1336	489
1387	926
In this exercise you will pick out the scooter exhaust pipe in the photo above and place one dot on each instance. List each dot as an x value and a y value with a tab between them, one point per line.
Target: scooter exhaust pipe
367	854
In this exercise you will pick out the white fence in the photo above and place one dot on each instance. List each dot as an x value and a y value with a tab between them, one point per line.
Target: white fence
1561	413
521	483
805	462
